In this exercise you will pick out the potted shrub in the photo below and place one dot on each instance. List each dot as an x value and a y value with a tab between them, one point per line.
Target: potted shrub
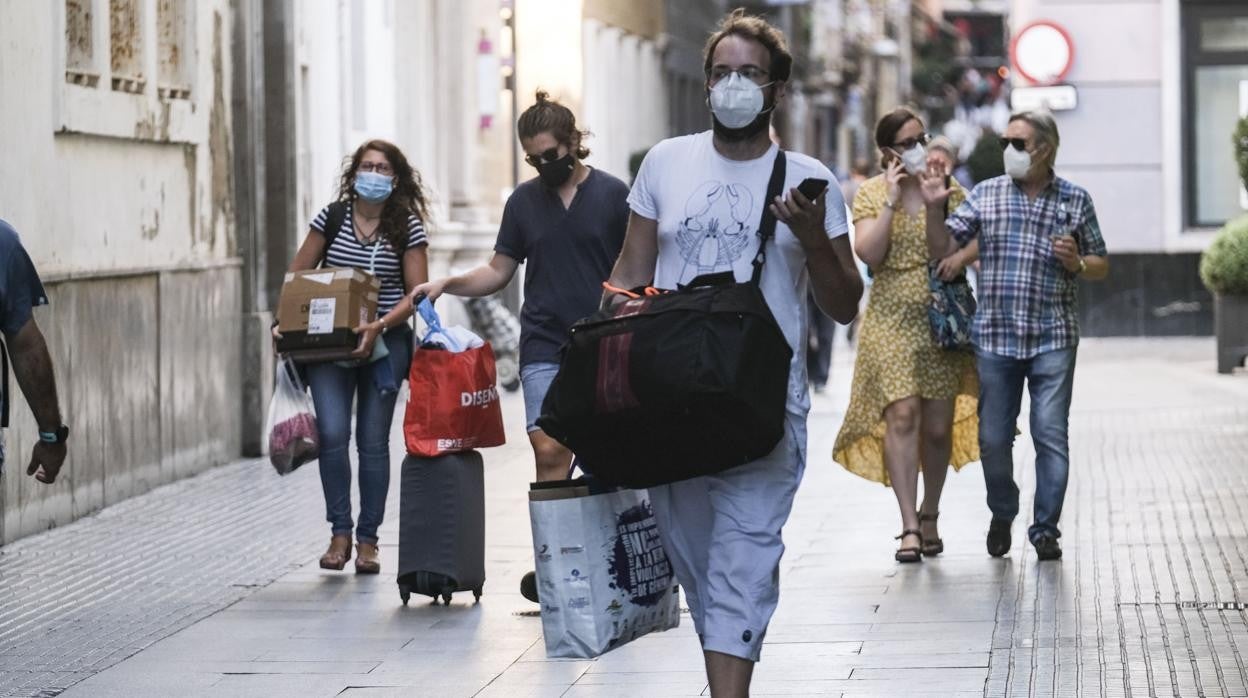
1224	270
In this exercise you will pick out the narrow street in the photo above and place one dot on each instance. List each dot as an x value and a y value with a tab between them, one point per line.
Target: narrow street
210	587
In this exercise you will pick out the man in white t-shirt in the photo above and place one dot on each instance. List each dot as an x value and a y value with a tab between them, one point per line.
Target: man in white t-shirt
696	208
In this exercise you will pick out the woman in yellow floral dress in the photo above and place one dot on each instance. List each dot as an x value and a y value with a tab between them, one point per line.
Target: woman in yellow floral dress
913	403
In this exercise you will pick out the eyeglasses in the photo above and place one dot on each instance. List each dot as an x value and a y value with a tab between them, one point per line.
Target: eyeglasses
750	72
1018	143
548	155
921	139
380	168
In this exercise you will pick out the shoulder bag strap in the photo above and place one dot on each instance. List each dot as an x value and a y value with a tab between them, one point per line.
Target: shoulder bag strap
767	227
334	218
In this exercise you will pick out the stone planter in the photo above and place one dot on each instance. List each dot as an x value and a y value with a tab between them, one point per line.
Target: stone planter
1230	324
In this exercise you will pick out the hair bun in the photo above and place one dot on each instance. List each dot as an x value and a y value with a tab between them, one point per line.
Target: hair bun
543	97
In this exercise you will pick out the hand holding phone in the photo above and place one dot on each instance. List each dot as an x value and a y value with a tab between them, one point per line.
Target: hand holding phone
812	187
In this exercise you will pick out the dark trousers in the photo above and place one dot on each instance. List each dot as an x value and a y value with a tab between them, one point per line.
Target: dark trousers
819	344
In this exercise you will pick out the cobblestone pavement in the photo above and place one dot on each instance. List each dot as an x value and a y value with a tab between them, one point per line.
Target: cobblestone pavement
209	587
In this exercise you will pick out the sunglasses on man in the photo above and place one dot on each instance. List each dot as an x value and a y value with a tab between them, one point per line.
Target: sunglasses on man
1018	143
548	155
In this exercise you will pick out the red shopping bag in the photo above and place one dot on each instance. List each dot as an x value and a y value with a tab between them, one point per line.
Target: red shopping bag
453	404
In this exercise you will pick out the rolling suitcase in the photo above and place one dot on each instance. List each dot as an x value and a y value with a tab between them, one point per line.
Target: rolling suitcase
442	526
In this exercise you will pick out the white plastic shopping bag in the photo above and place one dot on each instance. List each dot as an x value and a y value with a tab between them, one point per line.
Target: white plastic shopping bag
603	576
293	438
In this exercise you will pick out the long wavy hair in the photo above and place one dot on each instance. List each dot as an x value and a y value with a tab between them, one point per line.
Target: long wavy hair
407	198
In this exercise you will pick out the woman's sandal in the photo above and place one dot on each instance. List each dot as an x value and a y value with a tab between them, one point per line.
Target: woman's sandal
931	546
910	553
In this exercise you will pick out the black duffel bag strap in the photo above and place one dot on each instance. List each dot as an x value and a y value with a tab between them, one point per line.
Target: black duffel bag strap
767	226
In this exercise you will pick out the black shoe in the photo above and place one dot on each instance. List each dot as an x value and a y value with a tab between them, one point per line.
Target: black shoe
999	537
1047	548
528	587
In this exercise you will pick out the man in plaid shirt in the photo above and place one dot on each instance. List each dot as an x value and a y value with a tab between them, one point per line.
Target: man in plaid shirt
1038	236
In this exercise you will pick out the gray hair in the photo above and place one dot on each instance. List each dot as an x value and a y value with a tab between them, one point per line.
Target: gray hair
1046	131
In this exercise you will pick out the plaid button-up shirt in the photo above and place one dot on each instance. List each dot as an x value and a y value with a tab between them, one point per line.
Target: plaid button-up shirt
1027	299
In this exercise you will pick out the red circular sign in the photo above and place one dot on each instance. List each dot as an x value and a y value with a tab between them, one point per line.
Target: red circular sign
1042	52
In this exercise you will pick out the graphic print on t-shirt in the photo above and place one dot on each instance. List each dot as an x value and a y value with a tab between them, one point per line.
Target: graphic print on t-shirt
717	228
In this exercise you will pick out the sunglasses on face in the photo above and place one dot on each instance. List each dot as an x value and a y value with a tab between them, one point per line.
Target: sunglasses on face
921	139
548	155
378	167
1018	143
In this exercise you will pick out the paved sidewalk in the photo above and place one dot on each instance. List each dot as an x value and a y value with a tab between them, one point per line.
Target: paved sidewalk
210	587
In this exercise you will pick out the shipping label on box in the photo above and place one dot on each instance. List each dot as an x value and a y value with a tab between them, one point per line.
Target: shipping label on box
321	315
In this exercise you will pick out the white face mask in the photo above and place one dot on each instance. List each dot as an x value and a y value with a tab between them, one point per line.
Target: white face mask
914	160
736	102
1017	162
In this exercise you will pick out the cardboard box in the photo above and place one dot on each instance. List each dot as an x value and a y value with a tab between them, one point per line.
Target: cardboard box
320	309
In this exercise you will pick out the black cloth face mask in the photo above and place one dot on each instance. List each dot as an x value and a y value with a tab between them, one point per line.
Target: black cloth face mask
555	174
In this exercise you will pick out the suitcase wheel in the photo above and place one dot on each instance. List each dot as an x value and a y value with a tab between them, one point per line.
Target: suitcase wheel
476	594
405	593
446	598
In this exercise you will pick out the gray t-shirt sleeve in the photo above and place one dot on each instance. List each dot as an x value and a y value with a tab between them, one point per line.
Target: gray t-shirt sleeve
20	287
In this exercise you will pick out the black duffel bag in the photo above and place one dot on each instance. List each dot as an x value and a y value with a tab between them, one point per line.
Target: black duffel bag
676	384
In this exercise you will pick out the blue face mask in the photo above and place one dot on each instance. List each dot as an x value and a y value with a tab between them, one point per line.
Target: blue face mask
373	187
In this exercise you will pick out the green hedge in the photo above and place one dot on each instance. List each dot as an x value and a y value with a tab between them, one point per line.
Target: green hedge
1224	266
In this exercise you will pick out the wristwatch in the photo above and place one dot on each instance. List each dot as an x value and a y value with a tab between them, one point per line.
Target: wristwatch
60	436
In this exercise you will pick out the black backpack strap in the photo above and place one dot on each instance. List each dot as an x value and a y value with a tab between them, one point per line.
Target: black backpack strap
4	386
767	226
335	216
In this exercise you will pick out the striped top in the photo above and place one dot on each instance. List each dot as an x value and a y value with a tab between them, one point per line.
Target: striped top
379	258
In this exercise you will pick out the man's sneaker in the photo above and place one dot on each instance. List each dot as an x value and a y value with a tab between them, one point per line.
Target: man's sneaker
999	537
1047	548
528	587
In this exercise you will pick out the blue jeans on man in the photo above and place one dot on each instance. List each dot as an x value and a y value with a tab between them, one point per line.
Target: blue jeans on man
334	389
1050	380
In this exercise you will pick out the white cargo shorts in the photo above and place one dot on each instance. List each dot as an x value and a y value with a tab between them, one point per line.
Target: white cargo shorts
722	534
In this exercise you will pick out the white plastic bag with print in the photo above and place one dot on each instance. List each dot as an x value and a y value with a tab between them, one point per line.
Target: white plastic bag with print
603	576
293	438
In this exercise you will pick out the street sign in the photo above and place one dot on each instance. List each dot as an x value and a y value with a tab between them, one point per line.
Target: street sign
1042	52
1048	97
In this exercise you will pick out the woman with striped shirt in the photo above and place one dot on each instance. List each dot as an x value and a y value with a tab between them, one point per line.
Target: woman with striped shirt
379	216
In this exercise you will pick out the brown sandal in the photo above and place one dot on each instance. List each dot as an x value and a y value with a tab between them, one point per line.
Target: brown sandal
339	552
931	546
366	561
910	553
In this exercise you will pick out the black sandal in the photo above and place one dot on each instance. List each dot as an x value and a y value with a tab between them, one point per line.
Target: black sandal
935	546
910	554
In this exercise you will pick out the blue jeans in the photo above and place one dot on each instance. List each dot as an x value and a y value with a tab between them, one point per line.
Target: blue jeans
1050	378
334	388
535	380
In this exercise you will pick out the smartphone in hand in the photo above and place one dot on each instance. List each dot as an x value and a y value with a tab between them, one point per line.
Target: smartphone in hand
812	187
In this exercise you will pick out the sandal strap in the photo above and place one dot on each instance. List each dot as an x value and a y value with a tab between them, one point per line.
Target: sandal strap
910	532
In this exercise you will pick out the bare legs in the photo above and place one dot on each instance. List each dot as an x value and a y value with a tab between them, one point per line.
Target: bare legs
552	458
918	431
729	676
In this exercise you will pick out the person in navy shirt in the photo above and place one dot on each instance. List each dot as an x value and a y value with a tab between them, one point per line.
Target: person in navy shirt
568	225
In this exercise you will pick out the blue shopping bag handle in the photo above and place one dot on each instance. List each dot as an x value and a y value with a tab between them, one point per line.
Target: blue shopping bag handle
425	308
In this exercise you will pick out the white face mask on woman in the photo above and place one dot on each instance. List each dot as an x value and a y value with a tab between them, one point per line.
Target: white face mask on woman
1017	162
914	159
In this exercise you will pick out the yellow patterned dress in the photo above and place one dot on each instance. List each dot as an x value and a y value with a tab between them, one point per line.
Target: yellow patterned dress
896	356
